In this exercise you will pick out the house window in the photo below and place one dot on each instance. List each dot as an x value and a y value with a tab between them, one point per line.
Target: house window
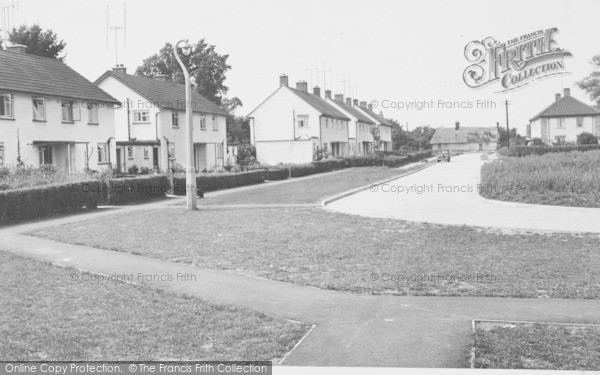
102	153
326	123
202	122
302	121
171	151
561	123
45	154
215	124
1	153
219	150
6	105
175	119
92	113
129	152
141	117
580	122
67	111
146	153
39	109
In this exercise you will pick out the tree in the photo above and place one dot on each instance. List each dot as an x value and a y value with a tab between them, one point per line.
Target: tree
591	82
586	138
38	41
238	127
420	136
516	139
207	69
376	133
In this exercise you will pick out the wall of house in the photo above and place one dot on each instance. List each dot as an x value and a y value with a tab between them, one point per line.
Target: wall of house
334	130
287	152
548	130
52	129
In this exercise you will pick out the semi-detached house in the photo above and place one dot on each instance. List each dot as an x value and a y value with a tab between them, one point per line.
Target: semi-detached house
51	115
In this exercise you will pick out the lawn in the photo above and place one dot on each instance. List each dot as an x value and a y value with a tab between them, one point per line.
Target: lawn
310	190
536	346
47	314
565	179
312	246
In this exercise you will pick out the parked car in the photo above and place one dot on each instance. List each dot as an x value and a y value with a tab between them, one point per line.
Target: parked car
444	156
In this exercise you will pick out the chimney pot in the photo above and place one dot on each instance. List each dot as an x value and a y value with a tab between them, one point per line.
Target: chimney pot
348	101
283	80
339	97
19	48
363	104
317	91
302	86
557	96
567	91
328	94
355	102
120	69
457	125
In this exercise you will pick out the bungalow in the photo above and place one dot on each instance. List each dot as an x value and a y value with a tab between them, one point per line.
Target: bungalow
384	126
465	139
293	125
150	127
51	115
564	119
360	136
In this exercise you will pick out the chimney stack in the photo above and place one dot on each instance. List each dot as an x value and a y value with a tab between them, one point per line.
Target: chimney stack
457	125
120	68
363	105
557	96
161	77
339	97
567	92
348	101
328	94
283	80
355	102
302	86
19	48
317	91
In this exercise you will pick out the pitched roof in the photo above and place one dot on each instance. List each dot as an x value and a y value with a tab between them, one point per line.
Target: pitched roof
167	95
320	105
567	106
354	112
379	118
464	135
21	72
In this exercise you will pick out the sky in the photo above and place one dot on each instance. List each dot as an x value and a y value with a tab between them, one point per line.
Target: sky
382	51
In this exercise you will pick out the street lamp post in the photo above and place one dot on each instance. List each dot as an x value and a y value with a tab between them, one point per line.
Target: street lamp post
190	171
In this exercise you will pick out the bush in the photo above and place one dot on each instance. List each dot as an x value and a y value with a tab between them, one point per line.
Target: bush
33	203
212	182
133	169
144	170
586	138
520	151
137	189
537	142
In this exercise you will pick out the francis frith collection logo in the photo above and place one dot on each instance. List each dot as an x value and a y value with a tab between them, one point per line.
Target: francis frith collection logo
514	63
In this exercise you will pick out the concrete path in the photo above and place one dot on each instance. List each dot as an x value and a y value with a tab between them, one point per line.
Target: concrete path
447	193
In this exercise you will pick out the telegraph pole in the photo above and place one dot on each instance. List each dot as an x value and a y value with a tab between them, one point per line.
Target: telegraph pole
506	103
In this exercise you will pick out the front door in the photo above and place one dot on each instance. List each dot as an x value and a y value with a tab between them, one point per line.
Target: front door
155	157
119	159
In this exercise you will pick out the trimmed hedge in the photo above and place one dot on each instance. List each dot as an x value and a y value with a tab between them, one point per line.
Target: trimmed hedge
277	174
137	189
220	181
44	201
520	151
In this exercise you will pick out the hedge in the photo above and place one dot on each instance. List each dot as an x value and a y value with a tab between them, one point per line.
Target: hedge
275	174
136	189
213	182
520	151
44	201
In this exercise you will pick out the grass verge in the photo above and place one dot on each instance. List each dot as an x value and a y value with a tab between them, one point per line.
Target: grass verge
49	313
536	346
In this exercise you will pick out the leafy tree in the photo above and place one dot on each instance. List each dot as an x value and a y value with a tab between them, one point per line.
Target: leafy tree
207	69
420	136
376	133
238	127
586	138
591	82
516	139
38	41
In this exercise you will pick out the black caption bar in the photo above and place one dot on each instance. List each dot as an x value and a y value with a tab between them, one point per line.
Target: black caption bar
136	367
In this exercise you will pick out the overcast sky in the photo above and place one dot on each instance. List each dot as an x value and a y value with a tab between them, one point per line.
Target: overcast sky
398	51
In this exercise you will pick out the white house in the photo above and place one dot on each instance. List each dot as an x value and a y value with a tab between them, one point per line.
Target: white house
465	139
292	125
360	135
385	127
564	119
150	125
49	114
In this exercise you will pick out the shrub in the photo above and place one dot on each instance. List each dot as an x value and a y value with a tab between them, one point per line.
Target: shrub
133	169
220	181
246	154
144	170
39	202
537	142
586	138
137	189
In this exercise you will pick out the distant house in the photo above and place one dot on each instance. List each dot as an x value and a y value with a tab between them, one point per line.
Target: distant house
564	119
292	125
385	128
465	139
150	128
360	138
51	115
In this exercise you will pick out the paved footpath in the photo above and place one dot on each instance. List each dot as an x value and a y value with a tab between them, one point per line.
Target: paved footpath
350	329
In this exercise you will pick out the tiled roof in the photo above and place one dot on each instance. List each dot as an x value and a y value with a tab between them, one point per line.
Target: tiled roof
21	72
168	95
320	105
379	118
464	135
354	112
567	106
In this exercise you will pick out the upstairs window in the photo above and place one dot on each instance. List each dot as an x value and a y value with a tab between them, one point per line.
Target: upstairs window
175	119
202	122
102	153
302	121
215	123
39	109
92	113
6	105
67	111
561	124
580	122
1	153
141	117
